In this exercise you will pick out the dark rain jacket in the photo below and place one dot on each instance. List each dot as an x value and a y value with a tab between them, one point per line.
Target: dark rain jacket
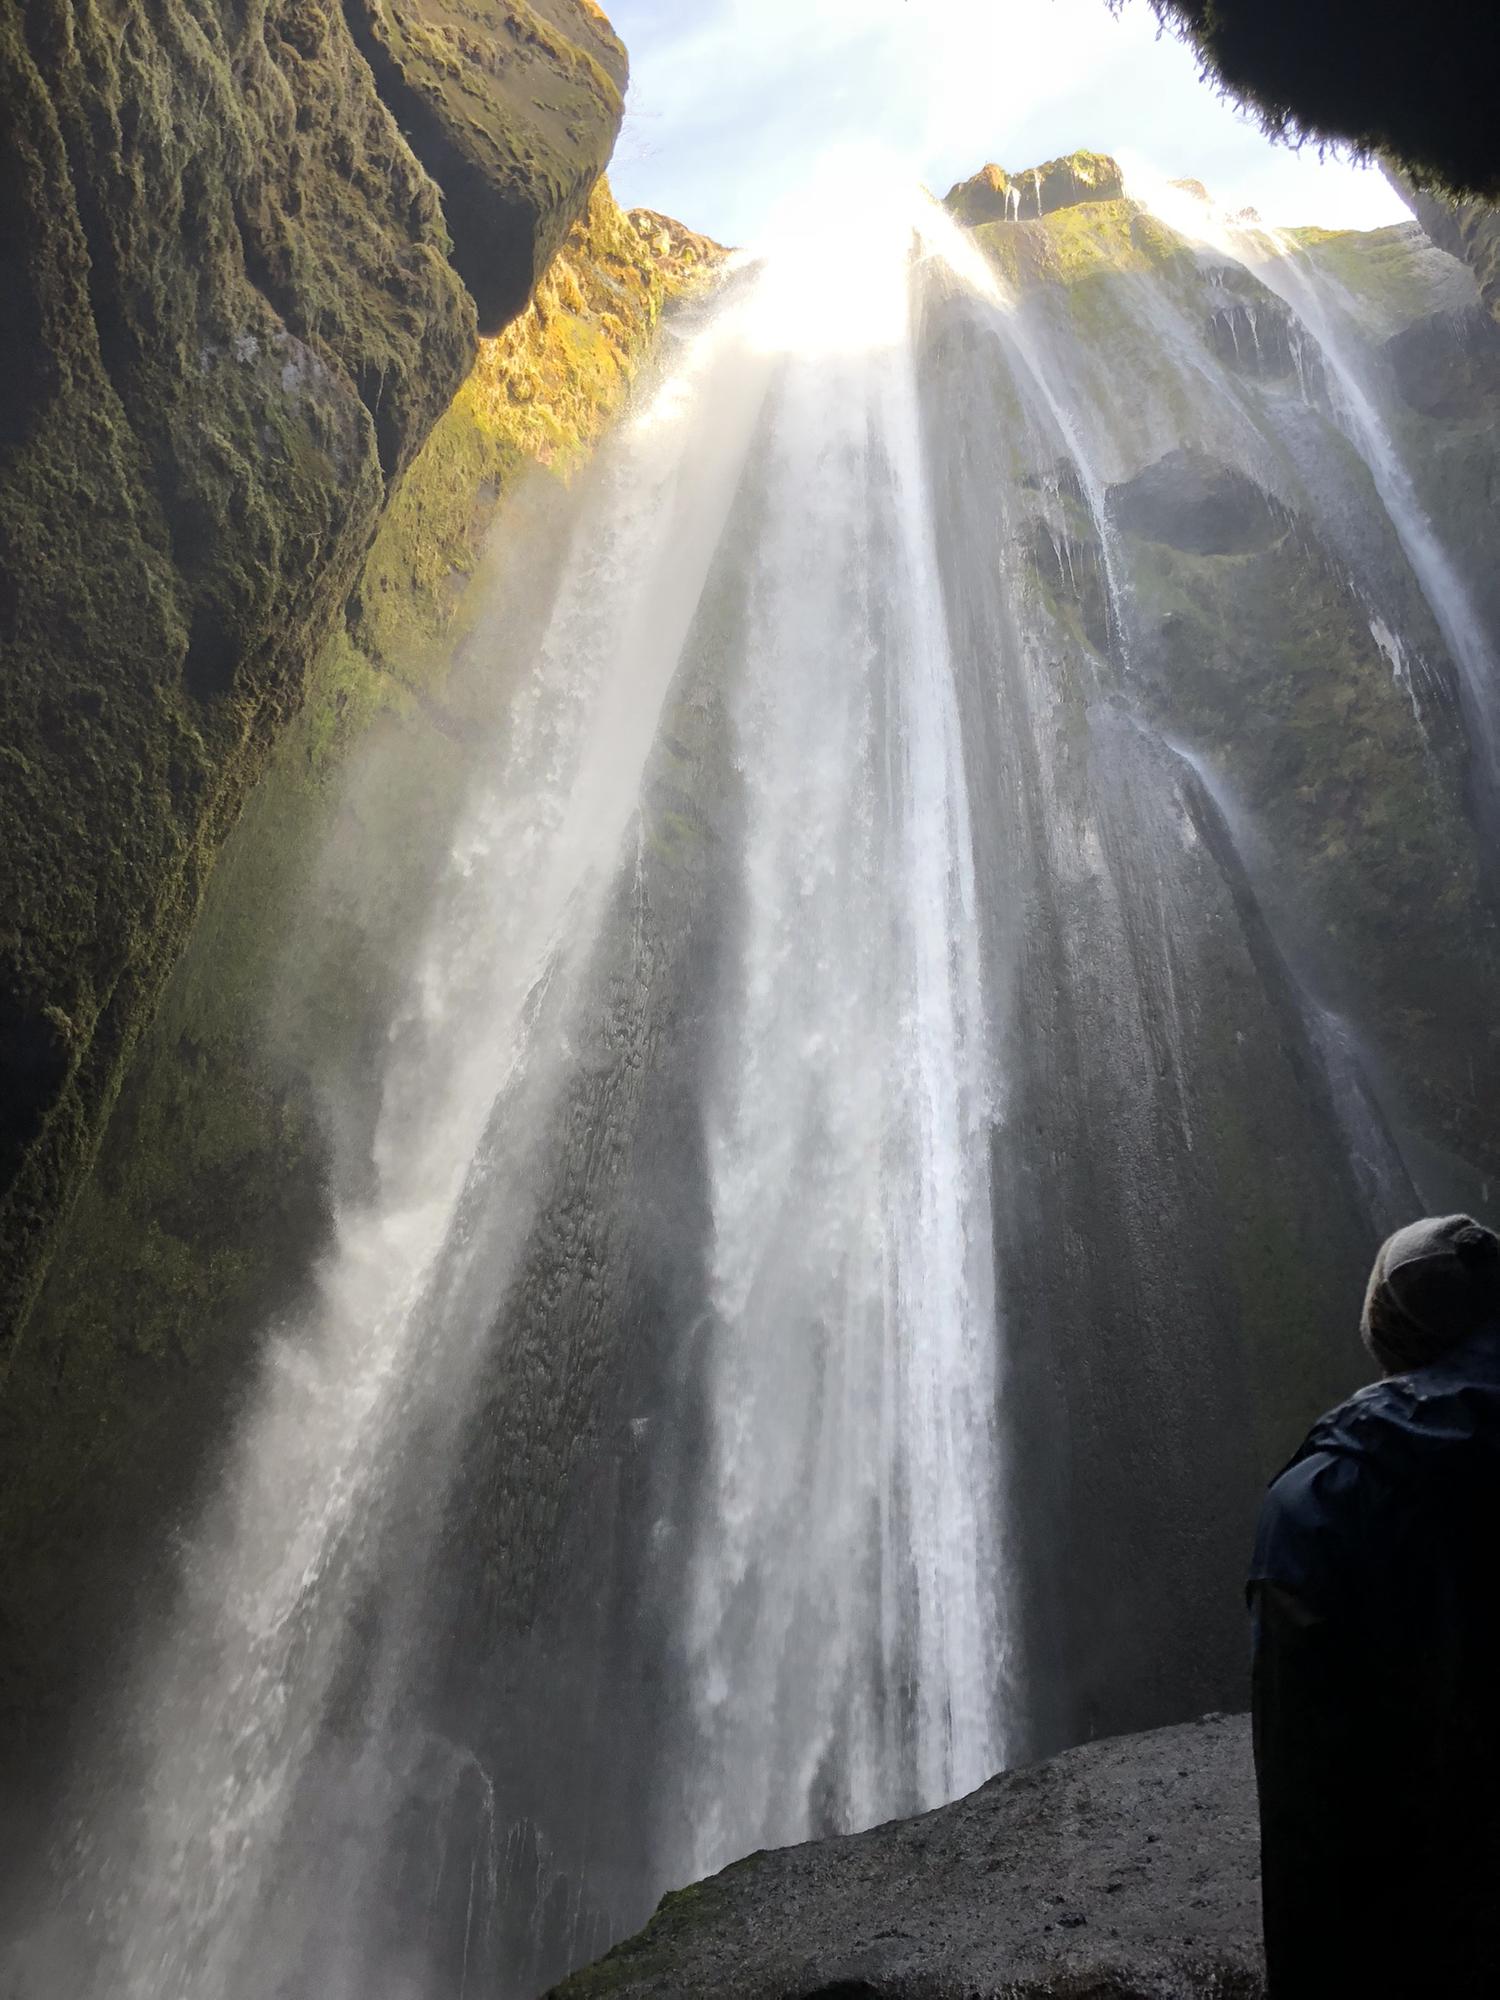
1375	1598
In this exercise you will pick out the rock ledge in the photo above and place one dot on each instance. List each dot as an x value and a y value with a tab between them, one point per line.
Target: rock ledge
1123	1870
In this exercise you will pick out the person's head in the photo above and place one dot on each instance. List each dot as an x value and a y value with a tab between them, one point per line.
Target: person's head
1435	1283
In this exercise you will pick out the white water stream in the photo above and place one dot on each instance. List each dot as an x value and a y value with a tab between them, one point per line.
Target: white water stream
568	1550
1331	316
851	1544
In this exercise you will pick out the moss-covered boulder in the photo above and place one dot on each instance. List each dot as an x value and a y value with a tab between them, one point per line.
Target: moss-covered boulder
230	320
984	197
993	195
513	109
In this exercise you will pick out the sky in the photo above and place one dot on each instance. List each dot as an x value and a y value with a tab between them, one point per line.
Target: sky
732	101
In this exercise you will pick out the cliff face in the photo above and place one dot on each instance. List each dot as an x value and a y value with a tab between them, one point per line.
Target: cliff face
1211	566
1260	627
512	108
1213	569
209	1200
993	195
1468	230
231	316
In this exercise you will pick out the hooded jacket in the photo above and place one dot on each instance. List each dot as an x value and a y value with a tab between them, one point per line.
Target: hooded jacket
1375	1597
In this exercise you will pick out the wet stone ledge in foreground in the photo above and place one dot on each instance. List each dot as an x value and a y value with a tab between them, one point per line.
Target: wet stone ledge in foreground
1123	1870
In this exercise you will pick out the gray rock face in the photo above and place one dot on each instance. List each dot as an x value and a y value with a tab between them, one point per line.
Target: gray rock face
1191	503
1468	230
1445	365
1123	1870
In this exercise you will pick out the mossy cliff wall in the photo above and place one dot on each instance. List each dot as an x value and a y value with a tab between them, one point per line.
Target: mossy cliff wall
211	1193
1262	584
231	315
993	195
1220	609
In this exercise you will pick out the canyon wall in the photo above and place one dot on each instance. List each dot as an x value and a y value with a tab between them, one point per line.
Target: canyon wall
241	253
209	1197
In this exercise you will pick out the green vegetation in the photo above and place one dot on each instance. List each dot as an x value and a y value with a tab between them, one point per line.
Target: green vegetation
231	322
512	112
210	1198
656	1952
994	195
1265	663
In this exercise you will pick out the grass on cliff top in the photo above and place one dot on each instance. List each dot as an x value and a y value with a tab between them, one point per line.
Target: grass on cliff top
1395	275
1085	240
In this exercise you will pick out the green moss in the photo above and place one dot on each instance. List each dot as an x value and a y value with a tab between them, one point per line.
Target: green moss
210	1196
656	1951
209	288
1392	276
1266	664
511	115
231	322
995	195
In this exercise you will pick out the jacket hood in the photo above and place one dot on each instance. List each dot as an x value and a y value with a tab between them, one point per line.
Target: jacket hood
1453	1399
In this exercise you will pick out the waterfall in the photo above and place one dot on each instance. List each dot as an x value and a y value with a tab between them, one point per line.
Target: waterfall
845	1625
853	1375
869	1147
1330	316
226	1712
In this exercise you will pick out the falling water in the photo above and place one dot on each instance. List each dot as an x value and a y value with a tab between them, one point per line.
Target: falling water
845	1629
843	1621
226	1713
802	1333
1331	317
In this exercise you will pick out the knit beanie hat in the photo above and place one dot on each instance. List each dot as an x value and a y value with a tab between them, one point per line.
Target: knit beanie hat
1435	1283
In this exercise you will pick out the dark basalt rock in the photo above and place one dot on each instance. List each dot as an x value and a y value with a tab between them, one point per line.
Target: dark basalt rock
1448	365
1255	337
1193	503
1124	1870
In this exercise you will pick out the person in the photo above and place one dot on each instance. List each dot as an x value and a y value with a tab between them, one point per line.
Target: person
1375	1604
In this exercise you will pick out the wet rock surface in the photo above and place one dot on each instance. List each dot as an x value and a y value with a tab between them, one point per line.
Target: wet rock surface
1192	503
209	1199
1128	1867
1446	365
